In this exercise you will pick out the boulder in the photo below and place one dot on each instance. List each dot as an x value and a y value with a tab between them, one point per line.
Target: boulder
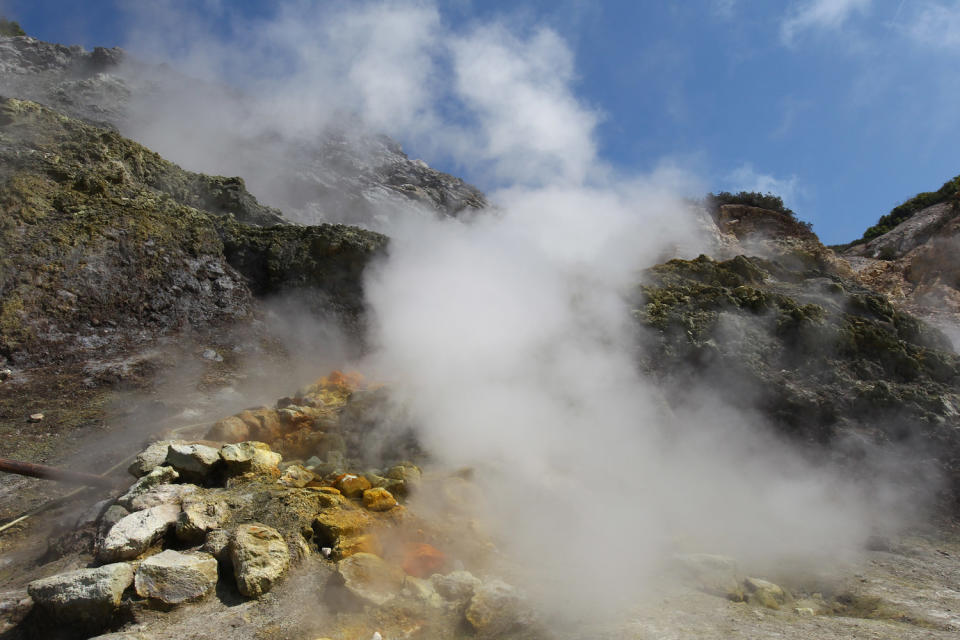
260	556
422	590
352	485
137	532
296	476
151	458
157	476
162	494
343	530
200	514
193	461
496	608
85	597
378	499
245	457
457	586
217	544
765	593
370	578
173	577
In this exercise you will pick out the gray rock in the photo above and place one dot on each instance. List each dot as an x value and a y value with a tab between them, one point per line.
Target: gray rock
87	596
200	514
157	476
151	457
369	578
173	577
14	607
422	590
194	461
496	608
260	556
244	457
457	586
162	494
217	544
137	532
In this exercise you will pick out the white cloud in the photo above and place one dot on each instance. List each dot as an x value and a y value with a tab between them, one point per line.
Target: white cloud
935	25
819	14
746	178
724	8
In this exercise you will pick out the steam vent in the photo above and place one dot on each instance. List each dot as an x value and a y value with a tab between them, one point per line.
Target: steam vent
265	376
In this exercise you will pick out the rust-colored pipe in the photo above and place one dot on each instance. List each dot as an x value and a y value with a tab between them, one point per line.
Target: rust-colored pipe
52	473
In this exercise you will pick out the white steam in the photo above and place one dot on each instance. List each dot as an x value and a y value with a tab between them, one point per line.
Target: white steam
509	336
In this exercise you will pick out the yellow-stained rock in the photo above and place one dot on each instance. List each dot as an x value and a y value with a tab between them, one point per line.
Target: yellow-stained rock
352	485
343	530
378	499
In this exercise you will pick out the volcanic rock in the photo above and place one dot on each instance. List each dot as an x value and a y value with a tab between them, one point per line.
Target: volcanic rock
249	456
14	607
765	593
193	461
156	477
496	608
152	457
260	557
457	586
87	597
200	514
162	494
378	499
296	476
174	577
370	578
137	532
352	485
343	530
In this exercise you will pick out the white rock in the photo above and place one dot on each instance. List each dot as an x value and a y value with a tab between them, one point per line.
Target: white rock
158	476
162	494
369	578
456	586
495	608
193	460
260	556
87	596
137	532
174	577
151	457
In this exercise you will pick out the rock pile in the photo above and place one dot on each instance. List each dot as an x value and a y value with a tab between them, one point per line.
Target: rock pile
209	515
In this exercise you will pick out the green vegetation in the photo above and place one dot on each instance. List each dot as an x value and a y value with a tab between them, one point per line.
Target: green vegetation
10	28
949	192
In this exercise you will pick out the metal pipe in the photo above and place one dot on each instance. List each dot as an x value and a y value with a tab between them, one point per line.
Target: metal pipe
53	473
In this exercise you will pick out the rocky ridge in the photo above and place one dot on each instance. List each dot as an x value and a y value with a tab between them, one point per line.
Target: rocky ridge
344	174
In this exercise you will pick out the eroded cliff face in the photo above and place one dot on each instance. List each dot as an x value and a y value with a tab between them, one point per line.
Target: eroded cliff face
917	264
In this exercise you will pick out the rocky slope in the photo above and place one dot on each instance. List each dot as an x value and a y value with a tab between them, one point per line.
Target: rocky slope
915	262
344	174
105	245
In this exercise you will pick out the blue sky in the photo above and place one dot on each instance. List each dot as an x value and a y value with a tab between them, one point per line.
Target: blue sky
844	107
